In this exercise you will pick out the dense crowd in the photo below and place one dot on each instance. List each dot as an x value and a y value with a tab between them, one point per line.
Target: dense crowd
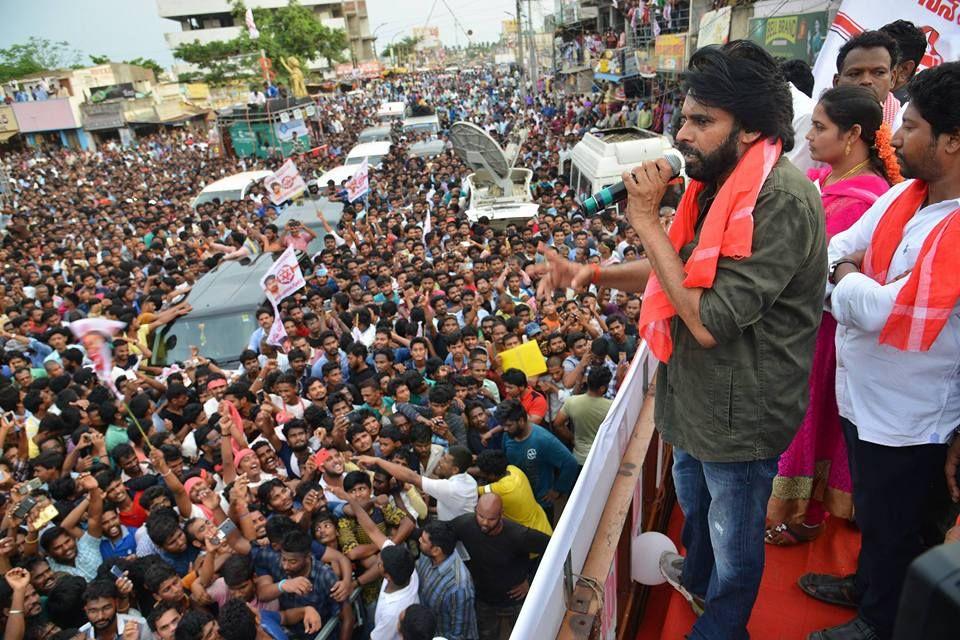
381	470
380	457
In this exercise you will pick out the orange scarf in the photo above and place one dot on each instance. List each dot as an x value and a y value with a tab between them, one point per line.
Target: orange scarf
932	290
727	231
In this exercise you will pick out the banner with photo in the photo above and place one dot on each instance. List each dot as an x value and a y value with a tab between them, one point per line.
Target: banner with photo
284	278
285	184
359	183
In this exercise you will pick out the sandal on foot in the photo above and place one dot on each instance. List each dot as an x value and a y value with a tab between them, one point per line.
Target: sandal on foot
786	535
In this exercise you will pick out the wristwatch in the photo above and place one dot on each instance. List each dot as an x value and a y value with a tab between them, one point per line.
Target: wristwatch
831	274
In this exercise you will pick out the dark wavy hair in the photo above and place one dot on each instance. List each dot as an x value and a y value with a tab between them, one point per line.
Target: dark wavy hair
744	80
848	105
910	39
935	93
869	40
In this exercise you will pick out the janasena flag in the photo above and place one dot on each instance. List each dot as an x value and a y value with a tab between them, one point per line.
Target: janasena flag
95	334
938	19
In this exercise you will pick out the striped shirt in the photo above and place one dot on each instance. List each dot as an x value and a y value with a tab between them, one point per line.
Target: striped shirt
447	589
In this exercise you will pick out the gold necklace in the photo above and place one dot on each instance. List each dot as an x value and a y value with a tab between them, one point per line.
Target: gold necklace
849	173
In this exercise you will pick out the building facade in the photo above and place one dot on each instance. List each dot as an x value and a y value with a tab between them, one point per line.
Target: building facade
212	20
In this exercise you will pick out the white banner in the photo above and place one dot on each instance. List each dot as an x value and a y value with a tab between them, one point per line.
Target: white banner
544	607
359	183
284	278
285	184
937	18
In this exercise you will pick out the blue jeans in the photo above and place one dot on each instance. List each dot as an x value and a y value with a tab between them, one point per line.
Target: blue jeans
724	506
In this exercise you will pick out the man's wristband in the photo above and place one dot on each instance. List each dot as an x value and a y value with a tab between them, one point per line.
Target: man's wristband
280	585
594	274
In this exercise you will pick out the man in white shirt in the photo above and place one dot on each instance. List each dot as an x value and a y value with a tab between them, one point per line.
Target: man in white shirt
454	489
400	586
897	356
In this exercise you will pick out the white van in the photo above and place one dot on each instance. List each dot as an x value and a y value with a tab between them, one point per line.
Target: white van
420	124
496	189
375	134
372	151
235	187
602	155
390	111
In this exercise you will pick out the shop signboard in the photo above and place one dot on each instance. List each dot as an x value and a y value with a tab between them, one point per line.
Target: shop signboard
671	52
791	37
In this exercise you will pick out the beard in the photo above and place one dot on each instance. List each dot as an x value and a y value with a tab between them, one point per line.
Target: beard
712	166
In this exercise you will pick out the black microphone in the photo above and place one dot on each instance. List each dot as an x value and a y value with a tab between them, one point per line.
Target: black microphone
618	192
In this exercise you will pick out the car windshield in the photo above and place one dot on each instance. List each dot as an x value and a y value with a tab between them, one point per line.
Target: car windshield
219	337
422	126
371	160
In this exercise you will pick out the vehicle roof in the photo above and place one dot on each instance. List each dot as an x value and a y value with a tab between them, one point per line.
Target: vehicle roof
236	182
234	286
379	148
426	147
376	128
421	119
230	287
337	174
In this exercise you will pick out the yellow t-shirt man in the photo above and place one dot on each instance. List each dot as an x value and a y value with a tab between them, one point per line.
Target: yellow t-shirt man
519	504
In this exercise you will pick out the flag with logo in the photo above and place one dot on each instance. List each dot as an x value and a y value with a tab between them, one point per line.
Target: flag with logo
284	277
95	334
359	183
938	19
285	184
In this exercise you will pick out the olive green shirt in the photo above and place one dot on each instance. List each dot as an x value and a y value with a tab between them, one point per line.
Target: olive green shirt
744	399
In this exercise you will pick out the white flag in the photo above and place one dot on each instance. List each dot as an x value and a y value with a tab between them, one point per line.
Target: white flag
285	184
251	26
284	278
937	20
359	183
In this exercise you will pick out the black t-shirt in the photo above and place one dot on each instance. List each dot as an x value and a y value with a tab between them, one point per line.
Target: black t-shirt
501	562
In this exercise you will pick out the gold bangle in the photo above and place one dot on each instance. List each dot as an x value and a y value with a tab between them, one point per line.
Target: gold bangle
34	541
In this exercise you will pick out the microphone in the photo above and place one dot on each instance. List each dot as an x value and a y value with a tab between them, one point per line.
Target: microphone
618	192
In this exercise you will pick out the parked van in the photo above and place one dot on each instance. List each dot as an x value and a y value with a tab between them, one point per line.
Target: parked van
225	300
235	187
602	155
496	189
421	124
390	111
375	134
373	152
426	148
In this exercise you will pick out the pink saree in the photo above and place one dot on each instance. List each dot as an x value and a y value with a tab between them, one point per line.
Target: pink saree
814	477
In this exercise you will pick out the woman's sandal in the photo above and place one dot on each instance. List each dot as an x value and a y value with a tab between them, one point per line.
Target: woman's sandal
785	535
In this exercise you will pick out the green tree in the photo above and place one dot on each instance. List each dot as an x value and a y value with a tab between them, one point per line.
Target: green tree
148	63
292	30
35	55
402	49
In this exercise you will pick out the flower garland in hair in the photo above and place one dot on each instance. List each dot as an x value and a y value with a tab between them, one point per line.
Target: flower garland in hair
882	144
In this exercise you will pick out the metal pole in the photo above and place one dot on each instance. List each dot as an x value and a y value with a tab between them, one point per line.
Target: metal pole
523	88
532	44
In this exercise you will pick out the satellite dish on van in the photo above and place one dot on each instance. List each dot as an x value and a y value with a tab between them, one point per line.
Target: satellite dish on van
478	150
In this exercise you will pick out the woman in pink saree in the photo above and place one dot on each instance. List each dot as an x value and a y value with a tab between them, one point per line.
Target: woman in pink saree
814	475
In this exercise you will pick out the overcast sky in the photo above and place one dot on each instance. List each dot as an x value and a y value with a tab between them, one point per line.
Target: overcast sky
124	29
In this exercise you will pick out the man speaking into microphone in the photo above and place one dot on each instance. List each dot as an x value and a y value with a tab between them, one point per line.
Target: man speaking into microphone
732	298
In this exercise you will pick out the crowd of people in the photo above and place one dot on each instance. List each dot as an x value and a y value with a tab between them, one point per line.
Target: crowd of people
378	471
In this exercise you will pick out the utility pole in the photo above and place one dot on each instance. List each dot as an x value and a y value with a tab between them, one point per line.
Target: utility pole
523	88
532	44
